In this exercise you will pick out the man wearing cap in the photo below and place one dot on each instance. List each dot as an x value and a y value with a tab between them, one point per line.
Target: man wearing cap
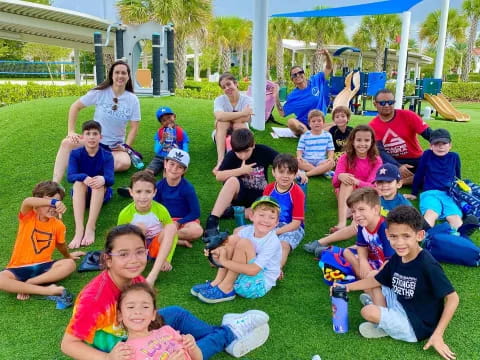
437	170
396	134
168	136
179	197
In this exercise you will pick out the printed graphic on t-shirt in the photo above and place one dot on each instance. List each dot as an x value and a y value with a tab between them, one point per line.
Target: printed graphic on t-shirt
404	286
394	144
41	240
315	91
256	179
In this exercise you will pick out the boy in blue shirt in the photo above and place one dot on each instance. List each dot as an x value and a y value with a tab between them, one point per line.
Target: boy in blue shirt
91	170
387	182
179	197
291	198
436	172
169	136
412	299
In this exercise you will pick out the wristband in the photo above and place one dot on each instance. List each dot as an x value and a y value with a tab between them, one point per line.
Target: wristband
53	202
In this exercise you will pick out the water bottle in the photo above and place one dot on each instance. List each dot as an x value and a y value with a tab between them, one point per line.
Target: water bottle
136	160
340	309
239	214
170	140
316	357
302	186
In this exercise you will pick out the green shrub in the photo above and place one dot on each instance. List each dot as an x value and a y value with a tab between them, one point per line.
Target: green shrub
13	93
461	91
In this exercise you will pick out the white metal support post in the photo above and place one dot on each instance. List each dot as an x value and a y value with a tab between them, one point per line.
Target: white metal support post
442	36
402	59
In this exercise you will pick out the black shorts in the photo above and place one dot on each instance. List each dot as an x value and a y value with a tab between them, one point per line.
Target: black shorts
246	196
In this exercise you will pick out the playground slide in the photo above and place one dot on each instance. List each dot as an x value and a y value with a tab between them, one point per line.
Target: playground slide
446	109
344	97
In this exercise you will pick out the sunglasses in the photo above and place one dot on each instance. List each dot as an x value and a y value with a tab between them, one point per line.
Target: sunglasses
385	102
298	73
115	106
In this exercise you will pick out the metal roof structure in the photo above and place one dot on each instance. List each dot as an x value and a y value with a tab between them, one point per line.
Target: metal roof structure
30	22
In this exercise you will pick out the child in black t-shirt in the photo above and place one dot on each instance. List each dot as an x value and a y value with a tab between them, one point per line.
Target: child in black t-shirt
412	299
340	131
244	171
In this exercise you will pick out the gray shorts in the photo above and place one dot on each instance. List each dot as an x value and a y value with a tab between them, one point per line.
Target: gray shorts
394	320
293	238
156	165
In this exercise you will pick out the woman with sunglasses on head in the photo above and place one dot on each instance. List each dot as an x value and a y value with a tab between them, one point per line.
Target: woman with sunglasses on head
396	133
115	106
308	94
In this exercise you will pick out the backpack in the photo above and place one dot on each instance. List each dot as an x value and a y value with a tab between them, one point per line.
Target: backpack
467	197
449	248
335	267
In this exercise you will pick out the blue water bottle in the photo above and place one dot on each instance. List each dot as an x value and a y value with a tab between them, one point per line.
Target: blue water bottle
340	309
239	214
136	160
170	139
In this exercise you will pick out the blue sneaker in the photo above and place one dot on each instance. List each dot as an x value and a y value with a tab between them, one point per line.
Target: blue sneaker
329	174
62	301
215	295
200	287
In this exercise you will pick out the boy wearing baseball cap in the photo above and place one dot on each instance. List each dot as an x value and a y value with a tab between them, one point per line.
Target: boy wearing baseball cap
388	181
250	259
437	170
168	137
179	197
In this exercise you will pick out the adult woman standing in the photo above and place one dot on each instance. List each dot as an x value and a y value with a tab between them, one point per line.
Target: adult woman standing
232	110
115	106
308	94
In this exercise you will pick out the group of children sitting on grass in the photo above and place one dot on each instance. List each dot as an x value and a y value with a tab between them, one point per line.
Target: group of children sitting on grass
407	296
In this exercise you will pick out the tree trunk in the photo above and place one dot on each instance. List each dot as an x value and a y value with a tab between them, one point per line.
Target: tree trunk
317	58
180	62
240	63
279	61
247	63
226	59
379	52
467	63
219	67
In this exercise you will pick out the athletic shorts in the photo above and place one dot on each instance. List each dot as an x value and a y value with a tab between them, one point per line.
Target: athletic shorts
293	238
246	196
106	197
315	162
182	225
393	318
156	165
250	287
24	273
440	202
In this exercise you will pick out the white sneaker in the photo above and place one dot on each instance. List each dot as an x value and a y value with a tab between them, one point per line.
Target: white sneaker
371	331
252	340
258	318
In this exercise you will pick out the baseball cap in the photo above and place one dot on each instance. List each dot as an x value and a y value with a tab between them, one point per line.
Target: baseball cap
440	135
164	110
179	156
388	172
265	200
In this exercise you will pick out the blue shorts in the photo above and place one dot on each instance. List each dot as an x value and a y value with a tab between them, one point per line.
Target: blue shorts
106	198
393	318
24	273
440	202
315	162
293	238
250	287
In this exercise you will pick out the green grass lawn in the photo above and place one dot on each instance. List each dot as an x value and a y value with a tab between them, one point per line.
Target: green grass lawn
299	306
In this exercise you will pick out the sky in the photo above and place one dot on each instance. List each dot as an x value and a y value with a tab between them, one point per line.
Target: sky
244	8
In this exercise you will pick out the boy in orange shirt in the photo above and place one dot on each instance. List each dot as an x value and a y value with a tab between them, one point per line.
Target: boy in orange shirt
39	233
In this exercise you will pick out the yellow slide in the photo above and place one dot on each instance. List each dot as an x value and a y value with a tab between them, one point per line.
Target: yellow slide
343	98
446	109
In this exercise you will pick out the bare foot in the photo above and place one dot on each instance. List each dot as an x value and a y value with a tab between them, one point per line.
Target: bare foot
23	297
76	241
166	266
88	238
55	289
185	243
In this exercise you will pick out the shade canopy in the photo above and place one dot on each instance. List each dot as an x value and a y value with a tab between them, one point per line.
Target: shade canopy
377	8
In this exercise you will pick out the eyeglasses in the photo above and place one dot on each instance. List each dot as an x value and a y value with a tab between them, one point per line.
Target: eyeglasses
385	102
125	255
115	106
298	73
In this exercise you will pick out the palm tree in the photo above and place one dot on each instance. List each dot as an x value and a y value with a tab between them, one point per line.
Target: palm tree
323	31
188	17
222	32
379	29
241	39
278	29
471	8
456	26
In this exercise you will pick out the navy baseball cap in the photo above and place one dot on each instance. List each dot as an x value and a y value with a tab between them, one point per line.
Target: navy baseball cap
164	110
388	172
440	135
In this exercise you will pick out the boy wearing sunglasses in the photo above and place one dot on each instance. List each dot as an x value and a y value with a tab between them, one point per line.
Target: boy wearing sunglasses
396	134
